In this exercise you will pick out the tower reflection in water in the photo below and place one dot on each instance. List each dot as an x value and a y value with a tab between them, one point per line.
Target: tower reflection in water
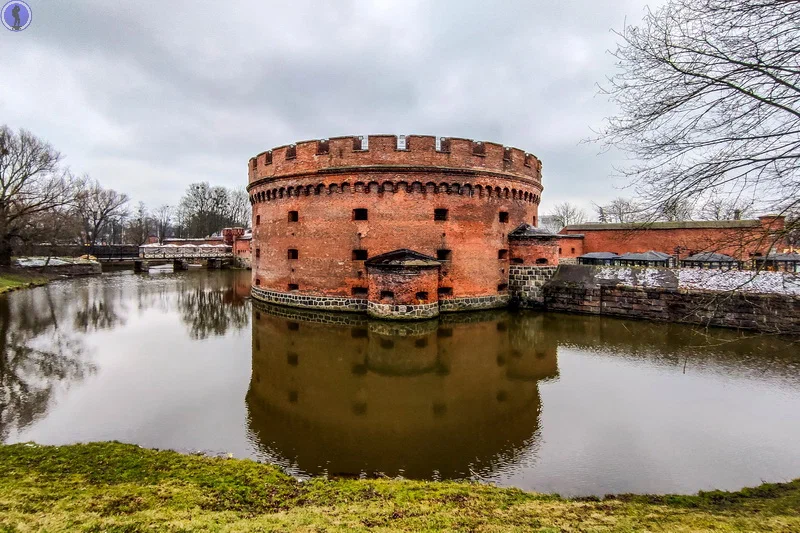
344	395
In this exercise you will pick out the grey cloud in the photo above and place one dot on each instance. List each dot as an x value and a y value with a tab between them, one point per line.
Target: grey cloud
173	92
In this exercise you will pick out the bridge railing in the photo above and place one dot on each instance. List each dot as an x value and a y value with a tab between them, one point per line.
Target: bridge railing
187	251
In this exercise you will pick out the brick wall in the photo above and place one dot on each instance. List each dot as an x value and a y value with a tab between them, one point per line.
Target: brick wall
737	238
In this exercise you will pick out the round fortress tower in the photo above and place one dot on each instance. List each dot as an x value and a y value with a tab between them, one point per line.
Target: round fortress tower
322	208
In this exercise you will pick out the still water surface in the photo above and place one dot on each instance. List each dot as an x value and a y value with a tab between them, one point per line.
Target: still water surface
548	402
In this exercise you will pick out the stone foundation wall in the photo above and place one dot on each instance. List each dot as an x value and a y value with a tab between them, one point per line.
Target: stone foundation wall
772	313
359	305
526	281
328	303
403	311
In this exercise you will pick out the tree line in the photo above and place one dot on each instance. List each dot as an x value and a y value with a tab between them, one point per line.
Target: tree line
42	202
632	210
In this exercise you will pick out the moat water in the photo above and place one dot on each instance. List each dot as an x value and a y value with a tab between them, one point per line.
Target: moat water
547	402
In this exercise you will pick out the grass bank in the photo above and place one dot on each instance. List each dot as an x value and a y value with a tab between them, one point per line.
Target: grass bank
10	281
120	487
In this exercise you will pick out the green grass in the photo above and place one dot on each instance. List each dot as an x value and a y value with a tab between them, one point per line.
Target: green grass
124	488
10	281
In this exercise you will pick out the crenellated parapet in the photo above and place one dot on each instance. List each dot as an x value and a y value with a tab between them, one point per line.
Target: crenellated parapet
399	152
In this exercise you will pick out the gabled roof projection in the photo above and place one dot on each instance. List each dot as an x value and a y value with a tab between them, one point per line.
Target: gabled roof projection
645	256
526	231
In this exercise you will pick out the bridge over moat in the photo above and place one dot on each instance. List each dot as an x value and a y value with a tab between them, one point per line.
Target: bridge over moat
214	255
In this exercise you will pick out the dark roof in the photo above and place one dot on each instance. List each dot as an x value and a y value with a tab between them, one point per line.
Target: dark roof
783	257
526	231
685	224
711	257
402	257
645	256
598	255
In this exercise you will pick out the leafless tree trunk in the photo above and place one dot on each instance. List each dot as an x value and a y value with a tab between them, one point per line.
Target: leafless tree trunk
96	207
564	214
31	184
163	217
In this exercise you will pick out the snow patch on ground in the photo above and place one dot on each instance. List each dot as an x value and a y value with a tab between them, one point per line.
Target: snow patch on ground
739	280
37	262
703	279
639	277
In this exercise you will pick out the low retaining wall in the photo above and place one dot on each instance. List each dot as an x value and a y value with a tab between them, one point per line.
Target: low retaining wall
327	303
359	305
403	311
583	289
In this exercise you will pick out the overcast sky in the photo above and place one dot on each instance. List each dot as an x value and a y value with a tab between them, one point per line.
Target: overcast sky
148	97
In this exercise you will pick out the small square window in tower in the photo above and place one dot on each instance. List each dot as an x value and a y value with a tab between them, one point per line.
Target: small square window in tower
293	216
258	220
502	254
360	255
387	296
359	214
293	253
503	216
444	255
294	287
440	214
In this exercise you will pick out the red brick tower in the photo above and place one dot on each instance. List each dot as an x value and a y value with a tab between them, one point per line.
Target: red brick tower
321	208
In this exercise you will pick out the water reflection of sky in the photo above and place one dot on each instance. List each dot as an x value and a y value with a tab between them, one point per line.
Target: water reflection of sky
572	404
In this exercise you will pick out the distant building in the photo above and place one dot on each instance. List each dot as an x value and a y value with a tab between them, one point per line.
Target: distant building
740	239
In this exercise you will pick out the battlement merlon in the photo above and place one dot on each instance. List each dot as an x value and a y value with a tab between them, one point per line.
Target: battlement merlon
308	157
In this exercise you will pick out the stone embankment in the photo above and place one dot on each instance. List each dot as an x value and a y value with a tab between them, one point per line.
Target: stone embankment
763	301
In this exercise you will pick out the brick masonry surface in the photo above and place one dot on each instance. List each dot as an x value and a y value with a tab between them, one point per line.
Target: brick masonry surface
321	208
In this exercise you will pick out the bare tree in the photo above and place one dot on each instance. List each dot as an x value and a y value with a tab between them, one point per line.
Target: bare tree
31	183
163	217
239	208
205	210
96	207
675	210
563	214
140	225
722	208
709	99
619	210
